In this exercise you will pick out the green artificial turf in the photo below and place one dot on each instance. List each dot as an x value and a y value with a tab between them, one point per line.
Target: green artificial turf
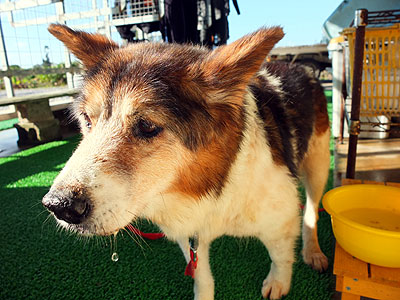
7	124
39	261
328	94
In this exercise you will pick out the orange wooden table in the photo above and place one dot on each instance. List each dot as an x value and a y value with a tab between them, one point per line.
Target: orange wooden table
355	278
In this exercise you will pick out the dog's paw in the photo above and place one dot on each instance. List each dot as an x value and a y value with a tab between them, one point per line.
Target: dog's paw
274	289
317	260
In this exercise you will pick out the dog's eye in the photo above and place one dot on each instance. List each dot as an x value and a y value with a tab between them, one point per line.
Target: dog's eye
146	129
88	122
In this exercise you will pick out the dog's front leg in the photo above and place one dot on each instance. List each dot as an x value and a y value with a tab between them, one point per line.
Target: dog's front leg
203	279
281	251
280	243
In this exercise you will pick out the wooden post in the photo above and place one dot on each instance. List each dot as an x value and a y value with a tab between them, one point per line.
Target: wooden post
60	11
361	20
4	61
96	18
107	25
343	97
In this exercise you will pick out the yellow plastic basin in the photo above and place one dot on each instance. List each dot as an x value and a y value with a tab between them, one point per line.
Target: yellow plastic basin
366	221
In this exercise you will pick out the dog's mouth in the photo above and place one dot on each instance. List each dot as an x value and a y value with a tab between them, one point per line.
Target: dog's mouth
105	223
87	229
82	229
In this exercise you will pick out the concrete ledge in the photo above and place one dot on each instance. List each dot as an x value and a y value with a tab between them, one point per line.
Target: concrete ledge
39	96
37	123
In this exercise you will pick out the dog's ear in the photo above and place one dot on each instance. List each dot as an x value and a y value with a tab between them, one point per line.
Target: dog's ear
232	66
89	48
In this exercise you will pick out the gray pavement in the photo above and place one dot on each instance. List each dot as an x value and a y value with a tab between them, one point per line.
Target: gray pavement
8	142
24	92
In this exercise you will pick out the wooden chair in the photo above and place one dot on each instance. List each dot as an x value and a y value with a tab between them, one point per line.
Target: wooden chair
375	79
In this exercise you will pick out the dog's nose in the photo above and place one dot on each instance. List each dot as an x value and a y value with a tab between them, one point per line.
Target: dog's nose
67	206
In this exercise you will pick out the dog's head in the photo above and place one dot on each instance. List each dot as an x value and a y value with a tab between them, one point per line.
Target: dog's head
157	120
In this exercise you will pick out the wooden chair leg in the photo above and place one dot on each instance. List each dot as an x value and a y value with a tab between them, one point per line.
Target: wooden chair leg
347	296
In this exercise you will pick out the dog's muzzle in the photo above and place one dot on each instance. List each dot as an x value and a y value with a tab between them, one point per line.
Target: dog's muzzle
68	206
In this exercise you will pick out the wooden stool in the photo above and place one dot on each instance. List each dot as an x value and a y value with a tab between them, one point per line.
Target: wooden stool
355	278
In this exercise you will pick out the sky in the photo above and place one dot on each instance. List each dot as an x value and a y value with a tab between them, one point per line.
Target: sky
301	20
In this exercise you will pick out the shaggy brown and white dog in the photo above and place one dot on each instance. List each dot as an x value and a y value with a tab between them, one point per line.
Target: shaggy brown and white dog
203	143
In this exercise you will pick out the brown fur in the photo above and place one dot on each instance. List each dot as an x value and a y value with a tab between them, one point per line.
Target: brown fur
321	112
89	48
210	164
233	66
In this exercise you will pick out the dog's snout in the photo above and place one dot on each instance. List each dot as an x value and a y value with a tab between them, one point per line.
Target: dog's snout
67	206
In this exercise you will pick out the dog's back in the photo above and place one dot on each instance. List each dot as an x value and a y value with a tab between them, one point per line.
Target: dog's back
292	105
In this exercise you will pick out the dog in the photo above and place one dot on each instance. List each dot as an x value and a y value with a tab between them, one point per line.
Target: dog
202	143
